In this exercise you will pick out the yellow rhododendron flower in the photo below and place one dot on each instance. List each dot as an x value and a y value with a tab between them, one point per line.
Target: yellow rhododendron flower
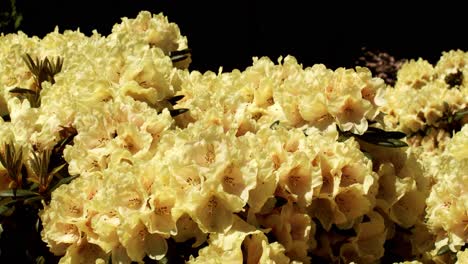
138	243
154	30
228	247
462	257
450	63
84	253
415	73
187	229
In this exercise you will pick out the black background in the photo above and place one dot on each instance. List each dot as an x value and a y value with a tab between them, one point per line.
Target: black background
229	33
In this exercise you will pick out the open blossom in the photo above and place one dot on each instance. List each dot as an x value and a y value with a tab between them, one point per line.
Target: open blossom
138	242
229	247
446	204
146	76
293	229
155	30
415	74
452	66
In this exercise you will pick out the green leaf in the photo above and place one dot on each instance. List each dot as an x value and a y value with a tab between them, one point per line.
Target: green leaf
180	55
32	66
384	134
376	136
180	52
37	226
22	91
173	100
176	112
446	106
33	187
18	20
384	142
19	193
63	181
57	169
6	211
67	134
7	201
343	136
40	260
460	114
43	70
32	200
367	154
443	250
11	157
274	125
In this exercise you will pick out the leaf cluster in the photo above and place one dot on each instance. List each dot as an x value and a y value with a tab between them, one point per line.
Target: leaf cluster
30	189
376	136
42	70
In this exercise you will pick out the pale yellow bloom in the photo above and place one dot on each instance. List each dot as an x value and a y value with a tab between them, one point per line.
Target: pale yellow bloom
462	257
154	30
138	243
84	252
368	245
415	74
243	241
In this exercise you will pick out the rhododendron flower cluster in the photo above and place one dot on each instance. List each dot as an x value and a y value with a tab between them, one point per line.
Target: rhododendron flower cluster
271	164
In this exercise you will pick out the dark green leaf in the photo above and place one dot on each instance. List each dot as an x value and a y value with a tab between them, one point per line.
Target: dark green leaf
11	157
19	193
67	134
180	55
63	181
173	100
7	201
390	143
275	124
33	67
179	58
343	136
32	200
40	260
6	211
384	134
367	154
33	187
57	169
460	114
180	52
376	136
396	143
176	112
22	91
446	106
443	250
